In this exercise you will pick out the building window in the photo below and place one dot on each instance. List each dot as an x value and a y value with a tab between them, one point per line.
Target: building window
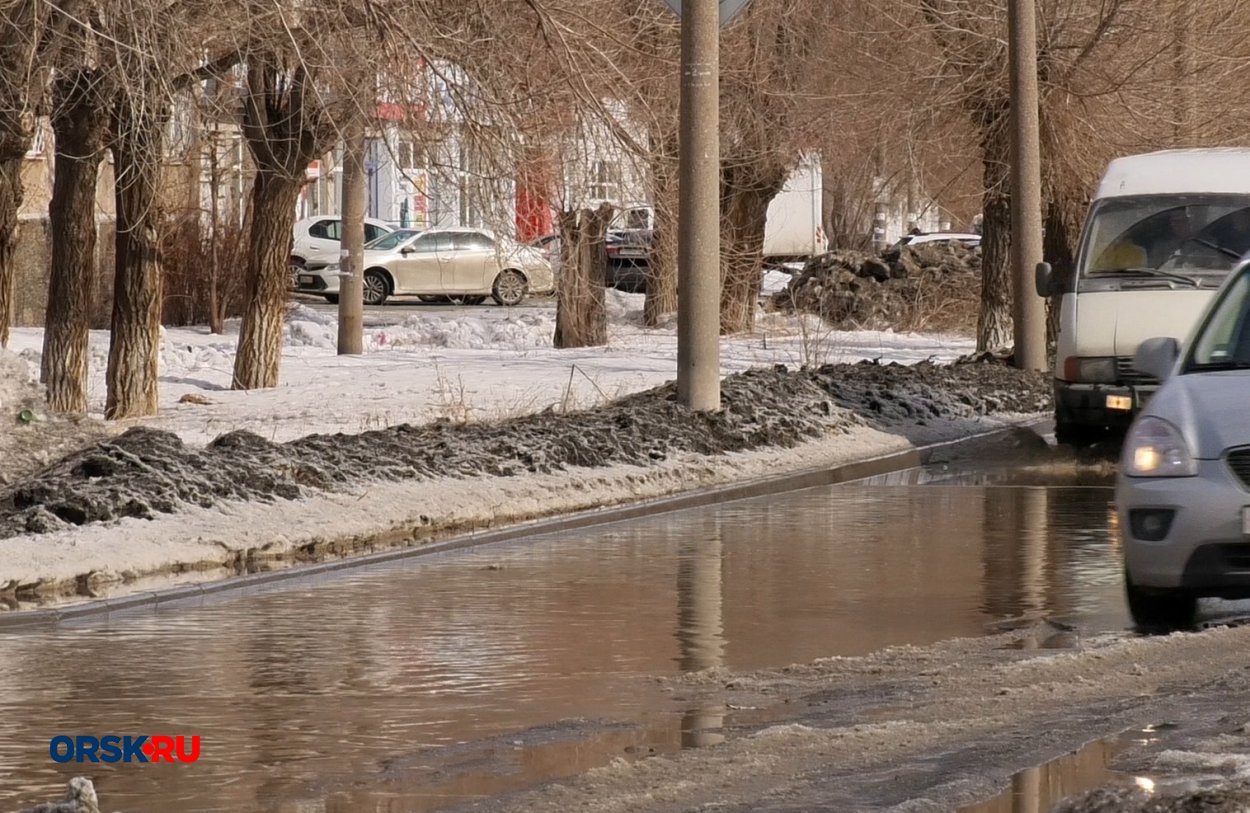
411	154
605	181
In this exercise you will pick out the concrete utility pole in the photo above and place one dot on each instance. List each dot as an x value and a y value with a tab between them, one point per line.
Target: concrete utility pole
1026	186
698	240
351	270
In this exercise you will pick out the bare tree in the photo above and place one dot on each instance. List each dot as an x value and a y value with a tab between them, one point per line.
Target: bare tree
142	55
581	319
79	122
27	40
286	126
1107	89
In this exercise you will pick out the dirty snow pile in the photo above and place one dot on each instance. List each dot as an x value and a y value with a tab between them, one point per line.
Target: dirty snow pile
30	436
145	471
932	287
480	364
1227	798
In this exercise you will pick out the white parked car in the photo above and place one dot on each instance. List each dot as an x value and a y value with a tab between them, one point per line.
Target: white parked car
966	238
317	240
464	265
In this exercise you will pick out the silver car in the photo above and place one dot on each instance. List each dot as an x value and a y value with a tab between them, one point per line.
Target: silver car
1183	491
464	265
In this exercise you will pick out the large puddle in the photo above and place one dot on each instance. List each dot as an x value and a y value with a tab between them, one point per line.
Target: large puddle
437	680
1039	789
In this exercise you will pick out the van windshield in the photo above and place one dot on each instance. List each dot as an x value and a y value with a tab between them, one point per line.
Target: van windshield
1160	235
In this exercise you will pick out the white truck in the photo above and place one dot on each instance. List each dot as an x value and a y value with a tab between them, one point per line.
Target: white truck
793	232
1164	231
795	226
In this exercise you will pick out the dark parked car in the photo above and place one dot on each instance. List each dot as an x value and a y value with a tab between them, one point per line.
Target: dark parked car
629	253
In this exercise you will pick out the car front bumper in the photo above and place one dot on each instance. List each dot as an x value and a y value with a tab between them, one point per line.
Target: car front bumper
316	283
1205	549
1100	404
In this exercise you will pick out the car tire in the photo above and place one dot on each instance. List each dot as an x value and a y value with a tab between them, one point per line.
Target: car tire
1159	611
296	264
376	287
509	288
333	299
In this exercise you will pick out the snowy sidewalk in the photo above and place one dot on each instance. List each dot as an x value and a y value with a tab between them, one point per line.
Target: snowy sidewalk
488	364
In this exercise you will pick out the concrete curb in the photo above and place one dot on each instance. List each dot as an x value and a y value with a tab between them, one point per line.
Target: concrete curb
757	487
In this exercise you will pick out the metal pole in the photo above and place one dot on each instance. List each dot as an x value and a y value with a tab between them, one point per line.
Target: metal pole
1026	186
351	282
698	240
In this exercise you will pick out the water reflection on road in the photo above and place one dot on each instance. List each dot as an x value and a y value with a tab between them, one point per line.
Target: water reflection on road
418	684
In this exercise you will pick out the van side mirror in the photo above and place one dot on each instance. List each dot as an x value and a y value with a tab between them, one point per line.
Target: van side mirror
1157	357
1044	280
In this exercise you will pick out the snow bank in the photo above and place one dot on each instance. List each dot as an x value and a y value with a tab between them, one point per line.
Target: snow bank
31	437
464	364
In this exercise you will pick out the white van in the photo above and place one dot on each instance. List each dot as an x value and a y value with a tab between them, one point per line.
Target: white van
1163	232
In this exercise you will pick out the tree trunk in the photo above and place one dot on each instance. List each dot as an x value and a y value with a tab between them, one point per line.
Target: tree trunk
662	262
662	266
134	346
286	126
994	327
744	214
272	220
78	122
581	313
10	203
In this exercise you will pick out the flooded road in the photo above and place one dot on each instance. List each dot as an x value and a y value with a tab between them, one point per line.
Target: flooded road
434	681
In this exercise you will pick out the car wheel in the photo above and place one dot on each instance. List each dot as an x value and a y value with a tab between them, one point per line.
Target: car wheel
467	300
1159	610
296	264
376	288
509	288
333	299
431	299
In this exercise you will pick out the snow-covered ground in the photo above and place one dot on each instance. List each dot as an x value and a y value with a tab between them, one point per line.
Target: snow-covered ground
463	364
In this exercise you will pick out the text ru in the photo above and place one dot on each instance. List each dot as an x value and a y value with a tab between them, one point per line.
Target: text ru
112	748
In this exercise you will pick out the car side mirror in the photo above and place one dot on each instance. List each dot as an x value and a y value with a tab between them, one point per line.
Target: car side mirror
405	251
1157	357
1044	280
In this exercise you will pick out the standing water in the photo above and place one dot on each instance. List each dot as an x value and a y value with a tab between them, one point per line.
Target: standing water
432	681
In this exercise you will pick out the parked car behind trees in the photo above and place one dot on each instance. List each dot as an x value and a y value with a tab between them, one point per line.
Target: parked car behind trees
317	240
467	264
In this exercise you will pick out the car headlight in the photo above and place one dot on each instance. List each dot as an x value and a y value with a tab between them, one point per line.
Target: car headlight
1155	448
1094	370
